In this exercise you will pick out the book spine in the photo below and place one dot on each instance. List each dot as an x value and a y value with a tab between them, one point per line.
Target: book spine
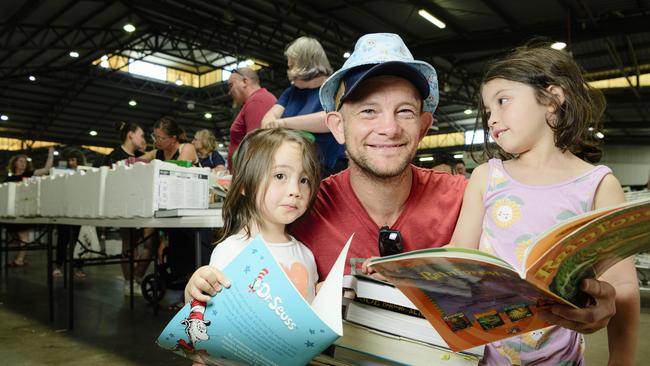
389	306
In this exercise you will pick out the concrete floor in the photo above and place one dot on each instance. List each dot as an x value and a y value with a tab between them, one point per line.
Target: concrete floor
107	332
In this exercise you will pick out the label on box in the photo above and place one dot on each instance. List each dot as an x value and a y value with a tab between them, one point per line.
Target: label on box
180	189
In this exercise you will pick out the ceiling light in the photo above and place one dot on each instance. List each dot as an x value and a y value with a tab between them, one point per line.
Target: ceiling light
590	128
133	103
29	159
559	45
128	27
178	82
468	111
4	117
92	133
220	145
346	55
104	64
458	156
104	58
600	135
426	158
437	22
74	54
56	153
32	78
208	115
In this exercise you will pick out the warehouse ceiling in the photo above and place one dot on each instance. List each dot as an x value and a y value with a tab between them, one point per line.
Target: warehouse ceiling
72	96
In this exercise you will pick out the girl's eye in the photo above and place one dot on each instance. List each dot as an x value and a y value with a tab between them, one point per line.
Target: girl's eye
279	176
304	180
502	100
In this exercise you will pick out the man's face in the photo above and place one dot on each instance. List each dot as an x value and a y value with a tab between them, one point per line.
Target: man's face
382	129
236	88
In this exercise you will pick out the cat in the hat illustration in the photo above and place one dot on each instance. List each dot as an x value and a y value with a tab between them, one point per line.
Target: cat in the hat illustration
196	329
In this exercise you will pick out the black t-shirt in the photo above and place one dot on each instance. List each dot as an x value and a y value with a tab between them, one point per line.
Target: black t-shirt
118	154
19	178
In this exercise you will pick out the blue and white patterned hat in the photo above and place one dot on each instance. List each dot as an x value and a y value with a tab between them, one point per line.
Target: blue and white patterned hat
376	49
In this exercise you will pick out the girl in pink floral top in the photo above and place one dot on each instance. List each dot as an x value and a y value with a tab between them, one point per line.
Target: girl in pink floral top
542	114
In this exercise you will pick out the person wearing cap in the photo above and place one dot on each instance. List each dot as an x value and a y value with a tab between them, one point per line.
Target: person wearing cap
380	105
245	90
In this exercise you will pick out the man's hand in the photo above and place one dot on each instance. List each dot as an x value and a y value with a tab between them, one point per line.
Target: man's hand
276	123
205	280
591	318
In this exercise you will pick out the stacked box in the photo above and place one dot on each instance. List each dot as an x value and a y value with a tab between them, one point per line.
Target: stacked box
8	199
85	191
141	189
53	195
28	198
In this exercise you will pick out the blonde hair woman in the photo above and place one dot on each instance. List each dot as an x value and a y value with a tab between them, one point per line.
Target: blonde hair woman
206	151
299	106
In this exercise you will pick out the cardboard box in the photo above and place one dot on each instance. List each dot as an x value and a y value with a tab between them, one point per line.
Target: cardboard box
8	199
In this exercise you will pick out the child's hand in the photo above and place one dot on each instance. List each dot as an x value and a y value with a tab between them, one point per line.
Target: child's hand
205	280
591	318
371	271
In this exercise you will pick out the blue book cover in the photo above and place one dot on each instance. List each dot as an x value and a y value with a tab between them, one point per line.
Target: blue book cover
261	319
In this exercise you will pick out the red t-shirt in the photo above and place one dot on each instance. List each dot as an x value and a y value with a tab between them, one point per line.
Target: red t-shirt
427	220
249	118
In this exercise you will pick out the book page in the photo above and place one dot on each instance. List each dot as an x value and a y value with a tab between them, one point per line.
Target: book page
261	319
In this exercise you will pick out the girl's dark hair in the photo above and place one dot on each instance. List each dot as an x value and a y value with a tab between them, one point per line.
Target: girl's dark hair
11	166
77	155
250	175
171	128
540	66
124	128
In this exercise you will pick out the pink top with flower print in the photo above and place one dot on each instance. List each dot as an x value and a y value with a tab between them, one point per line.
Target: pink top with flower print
515	214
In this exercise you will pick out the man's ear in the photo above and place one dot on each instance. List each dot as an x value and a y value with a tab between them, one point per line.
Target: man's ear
558	93
334	121
426	120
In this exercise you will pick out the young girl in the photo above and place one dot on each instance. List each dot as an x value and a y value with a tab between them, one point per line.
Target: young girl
275	180
538	108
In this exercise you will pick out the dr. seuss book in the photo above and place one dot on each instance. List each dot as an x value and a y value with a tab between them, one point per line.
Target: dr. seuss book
261	319
473	298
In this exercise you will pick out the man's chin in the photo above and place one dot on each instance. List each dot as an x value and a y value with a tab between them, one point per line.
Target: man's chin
382	170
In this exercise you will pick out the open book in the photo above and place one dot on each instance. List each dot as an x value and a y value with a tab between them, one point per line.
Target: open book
261	319
473	298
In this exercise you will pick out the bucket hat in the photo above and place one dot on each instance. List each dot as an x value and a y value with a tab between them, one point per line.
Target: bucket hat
380	54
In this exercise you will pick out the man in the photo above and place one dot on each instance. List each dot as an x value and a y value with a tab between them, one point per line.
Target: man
461	169
380	106
245	90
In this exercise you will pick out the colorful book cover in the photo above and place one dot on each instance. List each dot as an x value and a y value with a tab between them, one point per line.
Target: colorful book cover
261	319
473	298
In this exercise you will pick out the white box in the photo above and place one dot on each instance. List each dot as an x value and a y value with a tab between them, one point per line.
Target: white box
8	199
53	195
141	189
28	198
85	191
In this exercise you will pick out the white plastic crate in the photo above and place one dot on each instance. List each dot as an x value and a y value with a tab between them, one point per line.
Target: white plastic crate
53	197
8	199
141	189
85	191
28	198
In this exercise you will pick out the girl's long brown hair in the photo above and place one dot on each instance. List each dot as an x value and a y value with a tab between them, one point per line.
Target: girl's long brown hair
541	66
250	173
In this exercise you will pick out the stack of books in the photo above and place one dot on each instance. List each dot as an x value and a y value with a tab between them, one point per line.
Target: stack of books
382	327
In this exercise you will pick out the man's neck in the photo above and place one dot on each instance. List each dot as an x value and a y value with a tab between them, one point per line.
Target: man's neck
383	198
252	89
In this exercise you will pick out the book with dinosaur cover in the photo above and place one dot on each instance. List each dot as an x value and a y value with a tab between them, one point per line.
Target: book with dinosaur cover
473	298
261	319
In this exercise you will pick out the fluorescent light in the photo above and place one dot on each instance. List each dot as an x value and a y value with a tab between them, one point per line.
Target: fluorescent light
128	27
104	58
220	145
468	111
74	54
178	82
4	117
458	156
56	153
104	64
437	22
346	55
590	129
92	133
32	78
600	135
559	45
133	103
426	158
208	115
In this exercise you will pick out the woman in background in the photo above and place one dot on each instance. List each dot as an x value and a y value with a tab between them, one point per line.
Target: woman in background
206	150
299	106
